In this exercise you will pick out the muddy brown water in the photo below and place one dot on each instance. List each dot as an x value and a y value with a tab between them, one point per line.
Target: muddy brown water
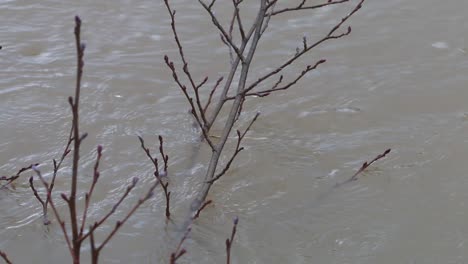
398	81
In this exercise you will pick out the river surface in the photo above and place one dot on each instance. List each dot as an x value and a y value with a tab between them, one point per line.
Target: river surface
398	81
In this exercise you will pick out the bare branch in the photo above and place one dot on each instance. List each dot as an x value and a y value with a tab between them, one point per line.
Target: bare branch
5	257
10	179
88	195
80	47
157	173
211	4
229	241
268	16
56	213
202	125
205	204
45	218
275	88
302	7
366	164
230	78
179	252
185	68
164	156
113	210
223	31
237	150
238	18
211	93
120	223
308	48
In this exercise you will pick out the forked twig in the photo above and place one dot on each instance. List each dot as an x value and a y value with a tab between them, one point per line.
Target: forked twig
213	90
200	121
159	173
96	250
229	241
180	251
225	35
302	7
240	137
205	204
366	164
56	213
10	179
307	47
88	194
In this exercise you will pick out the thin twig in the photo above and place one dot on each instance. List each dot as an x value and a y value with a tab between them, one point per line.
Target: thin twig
148	195
366	164
5	257
88	195
157	173
211	94
205	204
56	213
284	87
45	218
186	70
238	149
194	112
239	21
10	179
179	252
302	7
113	209
229	241
268	16
309	47
120	223
223	31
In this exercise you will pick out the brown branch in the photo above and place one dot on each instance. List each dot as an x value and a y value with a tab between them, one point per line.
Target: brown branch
229	123
10	179
309	47
230	78
213	90
75	103
238	149
366	164
302	7
238	18
94	251
57	166
88	195
56	213
202	125
229	241
179	252
112	211
276	88
120	223
157	173
45	218
223	31
268	16
185	68
4	255
205	204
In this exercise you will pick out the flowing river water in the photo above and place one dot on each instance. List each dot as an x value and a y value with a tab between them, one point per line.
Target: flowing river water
398	81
